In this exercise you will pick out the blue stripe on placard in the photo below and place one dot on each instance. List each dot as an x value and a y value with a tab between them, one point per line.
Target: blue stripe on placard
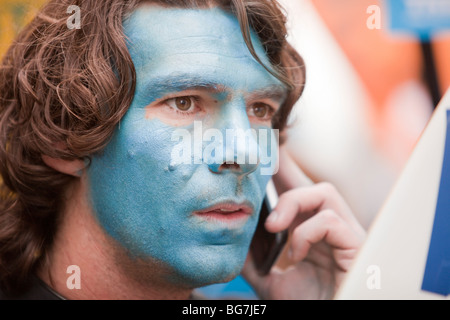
437	271
423	18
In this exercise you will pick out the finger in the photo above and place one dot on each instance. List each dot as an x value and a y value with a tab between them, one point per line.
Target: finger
322	255
301	201
329	227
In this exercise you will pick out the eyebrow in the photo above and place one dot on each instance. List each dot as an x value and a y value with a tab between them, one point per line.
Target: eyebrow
274	92
162	86
165	85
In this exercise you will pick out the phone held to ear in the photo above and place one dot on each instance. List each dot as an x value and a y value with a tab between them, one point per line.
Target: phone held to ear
266	246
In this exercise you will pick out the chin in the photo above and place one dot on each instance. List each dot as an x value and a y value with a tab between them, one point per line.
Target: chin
202	270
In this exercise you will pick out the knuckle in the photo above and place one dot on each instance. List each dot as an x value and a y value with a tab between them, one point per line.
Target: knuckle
284	195
299	238
297	233
289	196
327	187
330	217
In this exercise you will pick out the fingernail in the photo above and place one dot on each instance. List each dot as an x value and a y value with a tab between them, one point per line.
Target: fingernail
272	217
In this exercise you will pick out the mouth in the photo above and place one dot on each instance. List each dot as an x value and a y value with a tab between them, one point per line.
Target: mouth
226	212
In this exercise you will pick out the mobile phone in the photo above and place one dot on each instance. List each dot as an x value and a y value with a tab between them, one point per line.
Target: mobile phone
266	247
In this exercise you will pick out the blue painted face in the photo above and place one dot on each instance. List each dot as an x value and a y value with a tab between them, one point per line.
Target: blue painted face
193	70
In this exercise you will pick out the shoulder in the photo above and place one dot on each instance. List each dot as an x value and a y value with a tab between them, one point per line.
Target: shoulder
36	290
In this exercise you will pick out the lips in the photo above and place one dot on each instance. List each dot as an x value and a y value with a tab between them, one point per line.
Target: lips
226	212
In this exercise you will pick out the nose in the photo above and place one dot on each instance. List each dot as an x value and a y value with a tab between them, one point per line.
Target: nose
240	151
240	169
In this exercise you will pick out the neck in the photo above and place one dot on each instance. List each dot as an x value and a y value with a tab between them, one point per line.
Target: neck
103	269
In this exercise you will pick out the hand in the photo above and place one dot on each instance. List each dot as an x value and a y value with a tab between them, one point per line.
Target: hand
324	240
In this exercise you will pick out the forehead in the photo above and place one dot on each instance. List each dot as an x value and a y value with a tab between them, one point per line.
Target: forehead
203	42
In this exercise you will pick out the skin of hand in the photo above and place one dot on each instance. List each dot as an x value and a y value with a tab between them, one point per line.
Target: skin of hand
324	238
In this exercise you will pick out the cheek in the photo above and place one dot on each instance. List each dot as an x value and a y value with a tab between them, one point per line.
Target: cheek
131	182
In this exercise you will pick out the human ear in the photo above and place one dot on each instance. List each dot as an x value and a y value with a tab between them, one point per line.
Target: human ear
70	167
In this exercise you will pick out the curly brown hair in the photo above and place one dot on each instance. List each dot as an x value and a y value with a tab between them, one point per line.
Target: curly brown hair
62	93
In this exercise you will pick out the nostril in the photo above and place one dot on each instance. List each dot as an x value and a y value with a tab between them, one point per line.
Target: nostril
233	167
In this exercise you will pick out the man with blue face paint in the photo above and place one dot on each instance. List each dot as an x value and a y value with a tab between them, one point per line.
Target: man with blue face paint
138	222
205	215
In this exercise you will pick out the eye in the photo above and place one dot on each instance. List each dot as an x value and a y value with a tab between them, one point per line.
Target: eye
182	103
260	110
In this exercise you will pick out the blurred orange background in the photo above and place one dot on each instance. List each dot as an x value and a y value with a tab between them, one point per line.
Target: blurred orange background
384	62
